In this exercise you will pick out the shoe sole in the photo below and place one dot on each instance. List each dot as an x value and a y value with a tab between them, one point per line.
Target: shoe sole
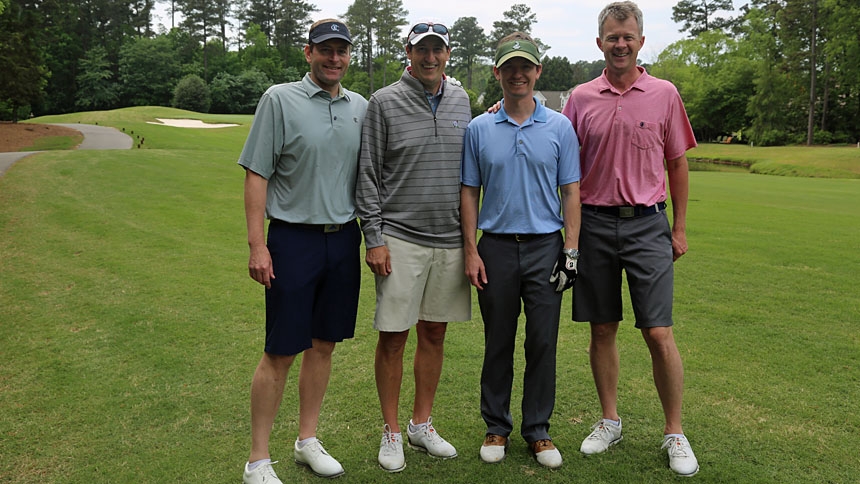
424	449
392	471
607	448
329	476
688	475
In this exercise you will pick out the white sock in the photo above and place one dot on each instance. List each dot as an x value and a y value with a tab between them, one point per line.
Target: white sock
258	463
306	441
415	428
613	422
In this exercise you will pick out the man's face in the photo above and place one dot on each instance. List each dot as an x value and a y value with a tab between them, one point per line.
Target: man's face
329	61
620	44
517	77
428	59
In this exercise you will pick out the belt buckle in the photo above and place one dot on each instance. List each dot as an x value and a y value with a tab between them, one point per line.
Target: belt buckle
329	228
626	212
519	238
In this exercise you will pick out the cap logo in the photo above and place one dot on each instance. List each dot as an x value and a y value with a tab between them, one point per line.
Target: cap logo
516	46
335	27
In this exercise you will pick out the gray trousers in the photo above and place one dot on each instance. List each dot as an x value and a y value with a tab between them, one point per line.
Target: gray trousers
519	272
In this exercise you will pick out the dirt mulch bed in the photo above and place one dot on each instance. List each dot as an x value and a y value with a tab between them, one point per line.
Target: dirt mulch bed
18	136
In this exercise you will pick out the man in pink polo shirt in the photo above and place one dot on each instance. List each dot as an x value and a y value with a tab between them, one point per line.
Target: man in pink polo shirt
628	124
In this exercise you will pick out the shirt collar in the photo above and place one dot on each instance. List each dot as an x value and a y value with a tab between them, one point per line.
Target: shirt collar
312	89
441	84
638	84
538	116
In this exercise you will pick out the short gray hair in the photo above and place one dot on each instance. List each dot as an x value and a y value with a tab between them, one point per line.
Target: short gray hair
620	11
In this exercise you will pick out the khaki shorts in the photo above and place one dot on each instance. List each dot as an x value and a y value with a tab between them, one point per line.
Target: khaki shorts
425	283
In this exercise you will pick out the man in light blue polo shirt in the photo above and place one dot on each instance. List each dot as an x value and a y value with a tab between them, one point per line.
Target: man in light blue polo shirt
521	156
301	162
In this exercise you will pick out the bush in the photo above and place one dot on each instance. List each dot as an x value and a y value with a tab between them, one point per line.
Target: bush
821	137
192	94
238	94
771	138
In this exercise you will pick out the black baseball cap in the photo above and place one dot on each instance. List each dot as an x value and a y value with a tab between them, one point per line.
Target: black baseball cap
329	30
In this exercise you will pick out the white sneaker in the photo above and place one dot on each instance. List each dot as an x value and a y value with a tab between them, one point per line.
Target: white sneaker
426	439
603	435
262	474
391	451
314	456
681	457
494	449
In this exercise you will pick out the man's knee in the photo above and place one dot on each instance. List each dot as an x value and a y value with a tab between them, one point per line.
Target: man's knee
392	342
431	333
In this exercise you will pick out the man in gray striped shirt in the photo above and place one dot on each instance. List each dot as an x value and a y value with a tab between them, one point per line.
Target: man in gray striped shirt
408	200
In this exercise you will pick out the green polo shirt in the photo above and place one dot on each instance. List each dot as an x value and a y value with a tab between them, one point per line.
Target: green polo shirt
306	144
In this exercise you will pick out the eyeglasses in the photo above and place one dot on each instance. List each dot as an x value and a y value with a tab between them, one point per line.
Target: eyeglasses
425	27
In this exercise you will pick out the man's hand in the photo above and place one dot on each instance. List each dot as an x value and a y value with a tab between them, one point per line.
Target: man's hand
563	272
260	265
475	270
379	260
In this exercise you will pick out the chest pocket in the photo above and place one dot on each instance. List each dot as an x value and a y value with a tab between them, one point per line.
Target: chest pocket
645	135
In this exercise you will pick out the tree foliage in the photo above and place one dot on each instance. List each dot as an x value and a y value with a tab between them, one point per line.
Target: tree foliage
21	60
699	16
192	94
750	72
756	82
97	88
376	27
557	74
519	18
149	71
469	47
238	93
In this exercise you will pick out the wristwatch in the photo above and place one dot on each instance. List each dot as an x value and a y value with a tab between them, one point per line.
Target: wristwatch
572	253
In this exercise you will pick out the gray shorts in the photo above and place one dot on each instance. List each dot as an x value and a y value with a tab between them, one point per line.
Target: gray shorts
642	248
425	283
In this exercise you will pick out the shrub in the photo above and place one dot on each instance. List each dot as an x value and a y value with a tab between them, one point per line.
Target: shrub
238	94
192	94
771	138
821	137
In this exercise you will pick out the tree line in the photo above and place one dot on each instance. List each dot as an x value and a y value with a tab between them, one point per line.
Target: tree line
779	72
773	72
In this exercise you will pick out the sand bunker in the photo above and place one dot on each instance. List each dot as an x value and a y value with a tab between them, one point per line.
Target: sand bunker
189	123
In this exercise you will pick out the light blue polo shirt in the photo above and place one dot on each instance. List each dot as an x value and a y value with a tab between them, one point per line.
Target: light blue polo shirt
306	145
520	168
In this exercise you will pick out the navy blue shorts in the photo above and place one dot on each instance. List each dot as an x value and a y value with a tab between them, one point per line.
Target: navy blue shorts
315	290
639	246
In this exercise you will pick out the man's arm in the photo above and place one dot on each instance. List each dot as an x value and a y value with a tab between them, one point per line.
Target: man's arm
572	214
679	190
475	271
367	199
563	273
260	261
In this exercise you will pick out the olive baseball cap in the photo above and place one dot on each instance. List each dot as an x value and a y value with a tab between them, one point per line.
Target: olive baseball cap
517	48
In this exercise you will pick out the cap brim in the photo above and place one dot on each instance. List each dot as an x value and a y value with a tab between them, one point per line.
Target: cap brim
517	53
323	38
420	37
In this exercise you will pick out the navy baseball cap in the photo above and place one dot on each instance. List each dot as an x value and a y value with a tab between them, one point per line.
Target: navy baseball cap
329	30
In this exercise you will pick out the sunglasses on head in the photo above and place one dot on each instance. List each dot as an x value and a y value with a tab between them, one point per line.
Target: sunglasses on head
425	27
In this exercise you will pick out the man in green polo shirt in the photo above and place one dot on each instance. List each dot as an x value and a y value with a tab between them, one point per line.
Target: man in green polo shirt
301	161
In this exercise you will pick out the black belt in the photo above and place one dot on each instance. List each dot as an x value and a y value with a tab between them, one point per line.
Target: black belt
627	212
324	228
518	237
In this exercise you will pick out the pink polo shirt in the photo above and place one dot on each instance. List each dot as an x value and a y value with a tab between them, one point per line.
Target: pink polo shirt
625	137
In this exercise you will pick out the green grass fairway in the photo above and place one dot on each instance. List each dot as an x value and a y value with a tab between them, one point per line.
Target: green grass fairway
129	331
815	161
